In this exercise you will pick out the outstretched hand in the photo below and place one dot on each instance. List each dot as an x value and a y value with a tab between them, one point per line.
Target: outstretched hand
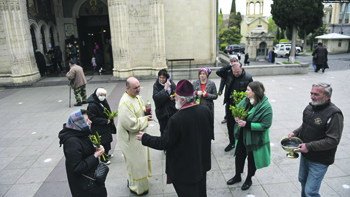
139	137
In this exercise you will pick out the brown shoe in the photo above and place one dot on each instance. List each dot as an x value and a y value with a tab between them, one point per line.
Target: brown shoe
224	121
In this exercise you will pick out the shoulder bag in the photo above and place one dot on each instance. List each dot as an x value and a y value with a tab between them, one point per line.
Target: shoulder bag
100	174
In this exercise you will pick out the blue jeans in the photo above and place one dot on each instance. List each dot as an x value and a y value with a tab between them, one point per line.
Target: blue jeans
310	176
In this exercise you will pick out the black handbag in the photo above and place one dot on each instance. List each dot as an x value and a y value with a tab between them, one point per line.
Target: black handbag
100	174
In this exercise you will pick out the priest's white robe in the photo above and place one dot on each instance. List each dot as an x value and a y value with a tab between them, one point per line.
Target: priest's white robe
132	120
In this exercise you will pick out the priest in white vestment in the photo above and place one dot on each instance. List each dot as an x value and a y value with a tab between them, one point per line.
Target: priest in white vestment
132	120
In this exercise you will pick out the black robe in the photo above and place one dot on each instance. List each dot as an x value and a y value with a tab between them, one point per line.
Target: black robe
187	140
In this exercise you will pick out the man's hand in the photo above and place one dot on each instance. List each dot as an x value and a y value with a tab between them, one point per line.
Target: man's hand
236	119
109	121
291	135
204	94
139	137
199	93
149	117
302	149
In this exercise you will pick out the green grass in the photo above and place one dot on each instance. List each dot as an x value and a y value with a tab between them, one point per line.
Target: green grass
304	55
309	50
290	63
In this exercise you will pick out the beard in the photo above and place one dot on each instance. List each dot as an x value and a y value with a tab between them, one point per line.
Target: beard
319	102
178	104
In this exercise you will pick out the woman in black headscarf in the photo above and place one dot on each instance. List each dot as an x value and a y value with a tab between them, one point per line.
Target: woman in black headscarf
100	122
81	156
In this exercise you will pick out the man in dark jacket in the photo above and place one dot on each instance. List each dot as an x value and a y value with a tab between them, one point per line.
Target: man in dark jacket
236	79
187	139
58	57
321	59
320	132
73	52
101	123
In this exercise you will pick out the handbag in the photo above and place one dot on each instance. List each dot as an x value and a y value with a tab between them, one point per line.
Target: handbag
100	174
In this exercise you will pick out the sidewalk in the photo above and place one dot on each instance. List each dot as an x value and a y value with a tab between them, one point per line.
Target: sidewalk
32	163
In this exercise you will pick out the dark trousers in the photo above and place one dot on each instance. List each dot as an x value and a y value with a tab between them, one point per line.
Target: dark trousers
241	155
162	124
319	66
230	123
198	189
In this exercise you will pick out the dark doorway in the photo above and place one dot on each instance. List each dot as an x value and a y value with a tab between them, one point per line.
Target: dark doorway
261	50
32	33
93	29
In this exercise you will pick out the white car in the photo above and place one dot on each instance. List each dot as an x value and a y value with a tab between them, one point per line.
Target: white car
284	49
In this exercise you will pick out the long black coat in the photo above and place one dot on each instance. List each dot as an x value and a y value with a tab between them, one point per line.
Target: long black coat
99	119
322	54
79	153
164	106
58	54
187	139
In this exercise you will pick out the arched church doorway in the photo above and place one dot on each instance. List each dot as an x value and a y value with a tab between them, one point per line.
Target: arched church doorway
32	33
261	50
93	28
43	40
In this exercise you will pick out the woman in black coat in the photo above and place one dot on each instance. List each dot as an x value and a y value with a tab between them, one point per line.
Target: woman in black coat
163	89
81	156
58	57
100	122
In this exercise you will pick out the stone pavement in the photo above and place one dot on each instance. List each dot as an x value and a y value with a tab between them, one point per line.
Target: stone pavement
32	163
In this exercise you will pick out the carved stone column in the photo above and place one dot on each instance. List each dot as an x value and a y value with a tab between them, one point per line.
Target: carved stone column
119	26
158	37
17	55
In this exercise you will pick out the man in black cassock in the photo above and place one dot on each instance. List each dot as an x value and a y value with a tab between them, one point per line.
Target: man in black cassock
187	140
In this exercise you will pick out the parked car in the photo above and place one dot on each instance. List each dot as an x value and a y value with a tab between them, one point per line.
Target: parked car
284	49
234	48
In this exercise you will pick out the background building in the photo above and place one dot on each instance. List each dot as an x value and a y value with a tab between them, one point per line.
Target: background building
142	34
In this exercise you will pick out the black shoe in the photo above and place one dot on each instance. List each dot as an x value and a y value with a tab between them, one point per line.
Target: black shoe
84	102
78	104
107	162
234	180
229	147
322	70
246	185
144	193
127	183
109	156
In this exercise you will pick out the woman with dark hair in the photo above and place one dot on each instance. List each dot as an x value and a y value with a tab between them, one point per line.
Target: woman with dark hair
252	134
205	89
81	156
97	109
163	90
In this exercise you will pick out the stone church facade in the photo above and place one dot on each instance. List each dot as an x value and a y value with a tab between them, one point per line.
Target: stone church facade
143	34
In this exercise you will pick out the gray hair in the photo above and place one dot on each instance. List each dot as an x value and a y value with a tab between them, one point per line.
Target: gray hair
101	91
326	86
188	99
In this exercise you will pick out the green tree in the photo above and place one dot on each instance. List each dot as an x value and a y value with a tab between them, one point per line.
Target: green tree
293	14
282	34
230	35
278	37
238	20
289	33
221	19
272	27
318	32
233	7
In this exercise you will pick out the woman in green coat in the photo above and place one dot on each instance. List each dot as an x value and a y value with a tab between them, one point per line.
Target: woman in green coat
252	134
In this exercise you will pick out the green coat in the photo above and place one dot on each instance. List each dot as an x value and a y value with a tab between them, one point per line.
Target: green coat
257	138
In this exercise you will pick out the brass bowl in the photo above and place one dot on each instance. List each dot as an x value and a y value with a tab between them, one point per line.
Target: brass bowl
291	146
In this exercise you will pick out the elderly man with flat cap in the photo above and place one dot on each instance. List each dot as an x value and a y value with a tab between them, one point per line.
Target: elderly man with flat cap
187	140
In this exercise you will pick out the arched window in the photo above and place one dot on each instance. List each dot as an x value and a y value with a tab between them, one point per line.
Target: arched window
43	40
32	33
257	8
251	8
52	38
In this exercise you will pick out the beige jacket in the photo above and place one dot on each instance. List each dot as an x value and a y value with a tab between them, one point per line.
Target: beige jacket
76	76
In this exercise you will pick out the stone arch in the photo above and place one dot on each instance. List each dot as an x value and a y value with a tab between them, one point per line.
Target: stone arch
54	32
43	25
75	14
34	24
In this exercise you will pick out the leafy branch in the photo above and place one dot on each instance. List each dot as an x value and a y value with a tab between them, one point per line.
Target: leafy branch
96	141
110	115
238	111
